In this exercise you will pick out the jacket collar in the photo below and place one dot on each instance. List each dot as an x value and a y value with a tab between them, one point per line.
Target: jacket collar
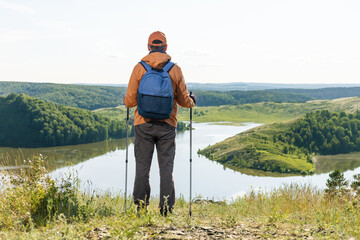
157	51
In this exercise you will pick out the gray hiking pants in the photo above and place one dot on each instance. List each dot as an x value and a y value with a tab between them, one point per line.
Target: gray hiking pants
146	136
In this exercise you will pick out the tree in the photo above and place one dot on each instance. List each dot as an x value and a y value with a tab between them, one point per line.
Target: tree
356	185
336	184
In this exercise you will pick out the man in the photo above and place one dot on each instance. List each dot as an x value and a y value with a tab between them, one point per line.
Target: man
150	132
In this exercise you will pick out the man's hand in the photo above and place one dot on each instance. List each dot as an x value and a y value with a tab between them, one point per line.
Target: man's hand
193	97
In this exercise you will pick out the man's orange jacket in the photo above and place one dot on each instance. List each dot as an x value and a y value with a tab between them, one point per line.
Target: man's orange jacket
158	60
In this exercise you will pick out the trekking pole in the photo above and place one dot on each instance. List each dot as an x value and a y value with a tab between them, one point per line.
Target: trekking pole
127	150
190	158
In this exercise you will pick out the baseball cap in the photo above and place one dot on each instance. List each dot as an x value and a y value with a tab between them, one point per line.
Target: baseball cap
159	36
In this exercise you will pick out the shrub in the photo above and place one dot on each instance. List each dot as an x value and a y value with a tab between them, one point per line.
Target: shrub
30	197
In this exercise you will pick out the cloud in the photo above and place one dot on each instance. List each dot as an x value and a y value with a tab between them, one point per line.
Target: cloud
52	24
208	65
193	53
15	36
116	55
196	53
321	58
16	7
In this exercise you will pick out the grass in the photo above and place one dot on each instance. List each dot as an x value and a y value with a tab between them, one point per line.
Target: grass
267	112
34	206
118	113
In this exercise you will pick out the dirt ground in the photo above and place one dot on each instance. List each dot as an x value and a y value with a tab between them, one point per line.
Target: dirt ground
243	231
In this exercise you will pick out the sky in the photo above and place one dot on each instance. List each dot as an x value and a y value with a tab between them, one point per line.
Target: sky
267	41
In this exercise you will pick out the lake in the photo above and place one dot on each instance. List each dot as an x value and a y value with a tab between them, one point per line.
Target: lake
101	166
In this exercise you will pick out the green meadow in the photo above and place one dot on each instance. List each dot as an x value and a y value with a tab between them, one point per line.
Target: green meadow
267	112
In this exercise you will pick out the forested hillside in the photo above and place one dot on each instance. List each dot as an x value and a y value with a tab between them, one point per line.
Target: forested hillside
95	97
323	132
30	122
206	98
87	97
287	147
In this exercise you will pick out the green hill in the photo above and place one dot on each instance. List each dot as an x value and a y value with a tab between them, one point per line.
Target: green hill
255	149
287	147
30	122
81	96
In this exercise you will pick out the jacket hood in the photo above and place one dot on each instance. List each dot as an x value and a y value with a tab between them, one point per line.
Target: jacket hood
156	59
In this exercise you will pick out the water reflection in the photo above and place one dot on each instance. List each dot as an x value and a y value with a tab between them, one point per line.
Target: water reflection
57	157
323	164
103	164
260	173
342	162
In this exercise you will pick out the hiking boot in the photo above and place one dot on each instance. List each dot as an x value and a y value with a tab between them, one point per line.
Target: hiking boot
141	209
164	211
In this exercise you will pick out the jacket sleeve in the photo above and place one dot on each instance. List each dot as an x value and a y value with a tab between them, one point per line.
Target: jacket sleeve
182	95
130	99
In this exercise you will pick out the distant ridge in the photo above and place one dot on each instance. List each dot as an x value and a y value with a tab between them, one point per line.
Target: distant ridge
240	86
260	86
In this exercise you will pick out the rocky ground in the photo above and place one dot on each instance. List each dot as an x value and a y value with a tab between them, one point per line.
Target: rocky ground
244	231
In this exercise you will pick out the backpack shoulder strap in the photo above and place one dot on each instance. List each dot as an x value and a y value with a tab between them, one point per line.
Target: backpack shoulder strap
146	66
168	66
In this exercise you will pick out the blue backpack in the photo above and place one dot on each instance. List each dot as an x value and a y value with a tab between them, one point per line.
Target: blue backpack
155	94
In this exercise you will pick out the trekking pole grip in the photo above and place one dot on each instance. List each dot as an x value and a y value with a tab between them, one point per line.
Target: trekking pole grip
191	108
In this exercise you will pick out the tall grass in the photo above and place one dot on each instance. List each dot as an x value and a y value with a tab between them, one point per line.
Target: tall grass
33	206
301	205
30	197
